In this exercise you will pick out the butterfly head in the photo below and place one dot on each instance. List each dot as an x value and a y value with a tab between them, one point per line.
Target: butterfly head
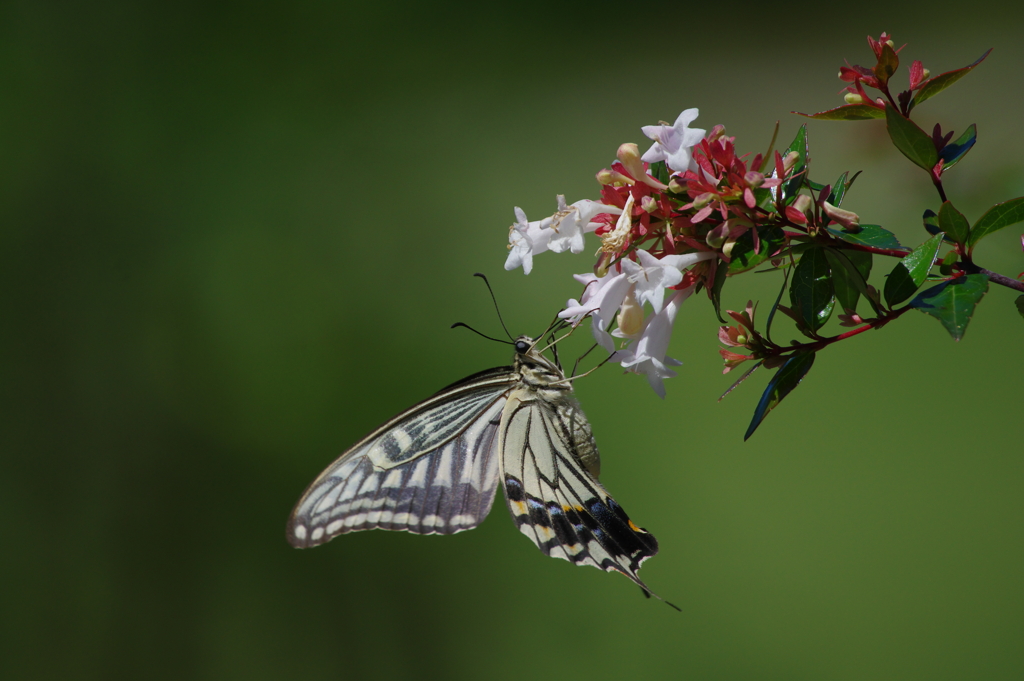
524	344
534	367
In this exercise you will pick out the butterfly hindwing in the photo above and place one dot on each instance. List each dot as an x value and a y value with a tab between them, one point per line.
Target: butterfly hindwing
554	498
431	470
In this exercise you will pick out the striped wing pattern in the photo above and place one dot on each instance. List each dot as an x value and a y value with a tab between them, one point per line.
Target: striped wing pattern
431	470
555	500
434	469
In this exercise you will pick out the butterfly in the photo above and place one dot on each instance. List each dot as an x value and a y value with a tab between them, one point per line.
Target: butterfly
435	468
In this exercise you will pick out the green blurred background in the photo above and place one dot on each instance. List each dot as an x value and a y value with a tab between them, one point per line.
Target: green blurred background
226	227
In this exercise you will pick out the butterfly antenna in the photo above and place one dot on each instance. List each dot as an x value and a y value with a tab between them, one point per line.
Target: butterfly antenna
556	326
467	326
495	301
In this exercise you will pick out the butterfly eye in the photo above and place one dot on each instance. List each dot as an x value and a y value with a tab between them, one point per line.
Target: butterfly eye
522	346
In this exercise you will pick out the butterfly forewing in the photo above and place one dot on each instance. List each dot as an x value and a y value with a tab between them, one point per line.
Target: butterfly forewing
431	470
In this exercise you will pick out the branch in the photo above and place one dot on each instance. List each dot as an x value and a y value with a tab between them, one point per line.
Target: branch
825	342
849	245
995	277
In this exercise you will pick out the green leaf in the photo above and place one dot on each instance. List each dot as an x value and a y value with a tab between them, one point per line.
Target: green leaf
953	302
786	378
799	145
1020	305
956	150
850	271
764	199
838	191
659	171
946	264
934	86
848	112
742	257
911	140
812	294
911	271
868	235
953	223
995	218
931	224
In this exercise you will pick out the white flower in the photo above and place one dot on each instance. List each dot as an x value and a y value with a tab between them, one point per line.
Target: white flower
648	355
652	275
570	223
601	299
590	209
613	241
525	240
672	143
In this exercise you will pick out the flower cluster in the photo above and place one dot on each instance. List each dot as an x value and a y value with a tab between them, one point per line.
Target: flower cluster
666	221
691	211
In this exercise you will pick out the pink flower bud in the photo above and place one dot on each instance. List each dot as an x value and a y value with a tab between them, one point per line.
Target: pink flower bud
803	203
844	217
717	236
754	179
628	153
703	200
611	177
649	204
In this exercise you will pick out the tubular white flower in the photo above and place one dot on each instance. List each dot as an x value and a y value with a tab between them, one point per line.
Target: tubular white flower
588	210
672	143
652	275
526	239
648	355
566	227
601	299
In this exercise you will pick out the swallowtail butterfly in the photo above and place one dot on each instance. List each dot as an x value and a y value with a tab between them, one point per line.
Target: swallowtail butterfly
434	469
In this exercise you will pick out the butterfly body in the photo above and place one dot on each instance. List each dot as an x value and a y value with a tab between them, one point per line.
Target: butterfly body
434	469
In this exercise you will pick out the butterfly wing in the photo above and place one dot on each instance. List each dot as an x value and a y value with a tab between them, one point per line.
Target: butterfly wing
430	470
552	496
